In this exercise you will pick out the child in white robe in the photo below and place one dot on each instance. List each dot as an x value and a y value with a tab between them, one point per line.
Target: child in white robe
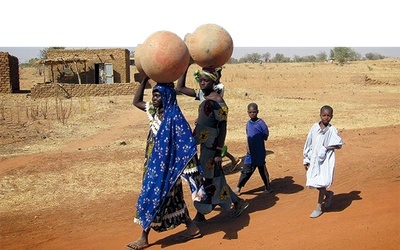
319	158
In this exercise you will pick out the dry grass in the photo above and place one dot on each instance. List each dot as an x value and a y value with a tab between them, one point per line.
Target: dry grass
21	192
22	129
289	97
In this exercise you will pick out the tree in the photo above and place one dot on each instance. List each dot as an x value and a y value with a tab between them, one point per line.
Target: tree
255	57
373	56
322	57
331	54
31	63
242	60
344	54
280	58
245	58
233	60
297	58
266	56
311	58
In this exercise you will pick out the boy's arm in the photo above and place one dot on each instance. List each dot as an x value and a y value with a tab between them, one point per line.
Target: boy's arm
334	142
307	150
265	131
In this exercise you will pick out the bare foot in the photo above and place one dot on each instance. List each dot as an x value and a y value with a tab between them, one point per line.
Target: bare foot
138	244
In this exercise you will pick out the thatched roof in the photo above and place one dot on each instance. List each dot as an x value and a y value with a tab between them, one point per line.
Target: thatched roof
60	60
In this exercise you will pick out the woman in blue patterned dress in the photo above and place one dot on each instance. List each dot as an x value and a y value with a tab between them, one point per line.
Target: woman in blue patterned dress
170	154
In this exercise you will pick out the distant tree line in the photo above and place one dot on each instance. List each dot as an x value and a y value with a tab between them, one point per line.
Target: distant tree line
337	54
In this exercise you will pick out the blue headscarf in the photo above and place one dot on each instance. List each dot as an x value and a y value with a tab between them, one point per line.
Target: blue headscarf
174	147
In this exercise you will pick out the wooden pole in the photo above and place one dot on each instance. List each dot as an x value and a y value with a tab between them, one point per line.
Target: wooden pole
77	73
44	72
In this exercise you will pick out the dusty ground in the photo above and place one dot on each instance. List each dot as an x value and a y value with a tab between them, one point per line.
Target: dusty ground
74	186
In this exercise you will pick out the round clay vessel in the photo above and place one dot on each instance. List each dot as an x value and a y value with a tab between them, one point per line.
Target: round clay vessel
210	45
164	56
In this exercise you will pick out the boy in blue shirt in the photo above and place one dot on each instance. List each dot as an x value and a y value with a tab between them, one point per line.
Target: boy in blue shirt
257	133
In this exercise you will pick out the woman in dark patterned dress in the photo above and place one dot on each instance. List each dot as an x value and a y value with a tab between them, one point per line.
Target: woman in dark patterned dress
210	134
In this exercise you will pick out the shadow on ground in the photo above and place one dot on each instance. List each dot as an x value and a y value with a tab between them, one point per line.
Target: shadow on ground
229	168
342	201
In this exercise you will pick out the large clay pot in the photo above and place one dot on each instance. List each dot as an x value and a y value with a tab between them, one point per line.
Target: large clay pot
210	45
163	56
138	65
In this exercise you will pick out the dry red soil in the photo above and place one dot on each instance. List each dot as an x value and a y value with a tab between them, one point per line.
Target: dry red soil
365	212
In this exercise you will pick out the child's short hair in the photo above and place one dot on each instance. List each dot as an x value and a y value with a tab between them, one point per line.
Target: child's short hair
326	107
252	105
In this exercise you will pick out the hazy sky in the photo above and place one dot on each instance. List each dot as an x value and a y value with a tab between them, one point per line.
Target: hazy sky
251	23
24	54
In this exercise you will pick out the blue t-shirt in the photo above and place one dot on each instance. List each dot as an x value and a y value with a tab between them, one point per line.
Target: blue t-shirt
257	132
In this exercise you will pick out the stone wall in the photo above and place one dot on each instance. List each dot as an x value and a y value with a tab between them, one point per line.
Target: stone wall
43	90
9	73
56	73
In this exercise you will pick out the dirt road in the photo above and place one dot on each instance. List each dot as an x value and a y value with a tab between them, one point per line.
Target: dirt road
364	214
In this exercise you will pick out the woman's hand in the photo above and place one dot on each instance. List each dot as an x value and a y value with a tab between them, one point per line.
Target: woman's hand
217	160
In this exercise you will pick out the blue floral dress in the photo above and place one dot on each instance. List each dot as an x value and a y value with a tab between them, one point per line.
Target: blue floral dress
170	154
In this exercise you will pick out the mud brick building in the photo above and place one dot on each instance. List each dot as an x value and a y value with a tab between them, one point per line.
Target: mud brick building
85	72
9	73
87	66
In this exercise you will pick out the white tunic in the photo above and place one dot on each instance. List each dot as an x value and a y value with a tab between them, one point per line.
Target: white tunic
321	161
